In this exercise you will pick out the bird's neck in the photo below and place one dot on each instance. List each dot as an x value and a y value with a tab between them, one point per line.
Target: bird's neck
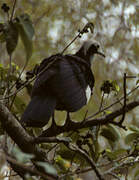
88	58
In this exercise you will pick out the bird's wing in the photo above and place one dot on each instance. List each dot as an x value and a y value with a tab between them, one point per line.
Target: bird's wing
69	87
76	75
47	70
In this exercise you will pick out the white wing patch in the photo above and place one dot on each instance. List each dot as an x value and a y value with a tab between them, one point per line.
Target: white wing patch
88	93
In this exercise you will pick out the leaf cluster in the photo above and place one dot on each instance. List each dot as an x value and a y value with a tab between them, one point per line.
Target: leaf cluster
11	30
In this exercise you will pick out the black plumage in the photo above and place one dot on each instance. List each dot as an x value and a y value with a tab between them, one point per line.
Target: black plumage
62	86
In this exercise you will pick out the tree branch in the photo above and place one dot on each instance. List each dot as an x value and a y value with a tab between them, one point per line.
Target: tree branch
124	106
39	140
26	169
93	122
88	159
118	101
27	143
12	14
18	133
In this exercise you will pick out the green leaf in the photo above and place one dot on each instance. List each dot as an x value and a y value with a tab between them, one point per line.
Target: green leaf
21	156
134	128
26	31
95	151
115	154
67	154
64	164
65	139
48	168
130	137
108	112
64	152
110	154
111	133
136	176
115	86
137	147
19	104
2	38
11	36
1	65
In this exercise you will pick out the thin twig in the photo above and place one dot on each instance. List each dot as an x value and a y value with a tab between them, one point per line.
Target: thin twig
114	175
8	176
12	14
7	91
84	30
20	74
78	171
121	165
51	149
124	88
70	43
8	16
114	161
102	98
118	124
86	156
82	171
119	101
130	77
16	82
90	123
28	82
95	114
85	115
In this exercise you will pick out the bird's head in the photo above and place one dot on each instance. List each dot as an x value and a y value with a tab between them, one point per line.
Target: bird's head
88	49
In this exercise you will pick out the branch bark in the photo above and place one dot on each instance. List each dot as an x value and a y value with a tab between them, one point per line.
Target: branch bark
28	144
23	169
71	126
24	140
18	133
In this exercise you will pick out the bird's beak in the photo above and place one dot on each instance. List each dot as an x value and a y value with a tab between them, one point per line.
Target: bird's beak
101	54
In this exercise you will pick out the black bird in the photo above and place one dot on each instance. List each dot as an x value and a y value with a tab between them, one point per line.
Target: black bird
66	84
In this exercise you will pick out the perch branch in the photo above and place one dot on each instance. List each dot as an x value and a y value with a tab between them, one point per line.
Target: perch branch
93	122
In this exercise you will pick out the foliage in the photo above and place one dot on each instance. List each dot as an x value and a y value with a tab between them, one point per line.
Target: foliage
55	24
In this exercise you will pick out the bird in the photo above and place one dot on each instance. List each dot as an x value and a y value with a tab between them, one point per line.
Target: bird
64	83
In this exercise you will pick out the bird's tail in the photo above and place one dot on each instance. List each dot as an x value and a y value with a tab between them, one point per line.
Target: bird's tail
38	111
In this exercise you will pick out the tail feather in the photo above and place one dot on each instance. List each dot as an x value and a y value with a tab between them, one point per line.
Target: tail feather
38	111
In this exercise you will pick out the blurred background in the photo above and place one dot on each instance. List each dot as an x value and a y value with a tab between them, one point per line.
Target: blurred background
56	23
